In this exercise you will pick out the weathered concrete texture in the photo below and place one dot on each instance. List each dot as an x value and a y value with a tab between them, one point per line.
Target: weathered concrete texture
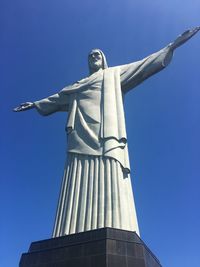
106	247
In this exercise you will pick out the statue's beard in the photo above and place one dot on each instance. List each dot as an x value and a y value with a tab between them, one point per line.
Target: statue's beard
95	66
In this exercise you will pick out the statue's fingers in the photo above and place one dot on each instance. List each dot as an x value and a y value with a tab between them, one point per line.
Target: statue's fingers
17	109
195	30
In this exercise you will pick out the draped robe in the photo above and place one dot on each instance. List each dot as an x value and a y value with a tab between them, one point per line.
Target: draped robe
96	189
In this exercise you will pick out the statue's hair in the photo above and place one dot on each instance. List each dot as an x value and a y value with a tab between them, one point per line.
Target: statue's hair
104	61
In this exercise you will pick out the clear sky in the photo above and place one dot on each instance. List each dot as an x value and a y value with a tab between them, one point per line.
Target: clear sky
44	46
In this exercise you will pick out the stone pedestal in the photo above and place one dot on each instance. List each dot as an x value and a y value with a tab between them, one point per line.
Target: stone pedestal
106	247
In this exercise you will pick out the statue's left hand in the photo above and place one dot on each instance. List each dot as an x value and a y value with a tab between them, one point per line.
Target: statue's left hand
184	37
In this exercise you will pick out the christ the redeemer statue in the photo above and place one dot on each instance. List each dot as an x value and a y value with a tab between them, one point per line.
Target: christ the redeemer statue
96	190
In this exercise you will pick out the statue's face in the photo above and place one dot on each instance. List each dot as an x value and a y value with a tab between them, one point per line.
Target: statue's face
95	60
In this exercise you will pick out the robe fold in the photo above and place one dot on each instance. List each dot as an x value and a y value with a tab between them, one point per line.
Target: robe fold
96	133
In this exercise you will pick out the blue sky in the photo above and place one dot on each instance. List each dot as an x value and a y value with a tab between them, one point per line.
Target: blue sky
44	46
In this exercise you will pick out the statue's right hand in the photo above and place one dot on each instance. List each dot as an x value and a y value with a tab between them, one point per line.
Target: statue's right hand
24	106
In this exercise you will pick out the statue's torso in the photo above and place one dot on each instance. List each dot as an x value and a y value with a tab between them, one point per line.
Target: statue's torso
85	137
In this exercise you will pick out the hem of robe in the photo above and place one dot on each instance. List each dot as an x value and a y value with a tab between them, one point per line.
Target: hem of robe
115	154
94	194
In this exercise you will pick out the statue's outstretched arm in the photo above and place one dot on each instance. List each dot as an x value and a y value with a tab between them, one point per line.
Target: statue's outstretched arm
184	37
24	106
135	73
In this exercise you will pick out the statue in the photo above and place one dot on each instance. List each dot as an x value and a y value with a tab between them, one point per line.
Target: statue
96	189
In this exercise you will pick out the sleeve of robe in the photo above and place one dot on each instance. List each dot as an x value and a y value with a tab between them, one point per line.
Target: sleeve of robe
134	73
62	101
57	102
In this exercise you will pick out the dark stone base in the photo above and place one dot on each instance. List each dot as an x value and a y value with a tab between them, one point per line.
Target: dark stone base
106	247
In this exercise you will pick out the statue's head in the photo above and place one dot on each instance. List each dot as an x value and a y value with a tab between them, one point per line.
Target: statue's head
96	60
